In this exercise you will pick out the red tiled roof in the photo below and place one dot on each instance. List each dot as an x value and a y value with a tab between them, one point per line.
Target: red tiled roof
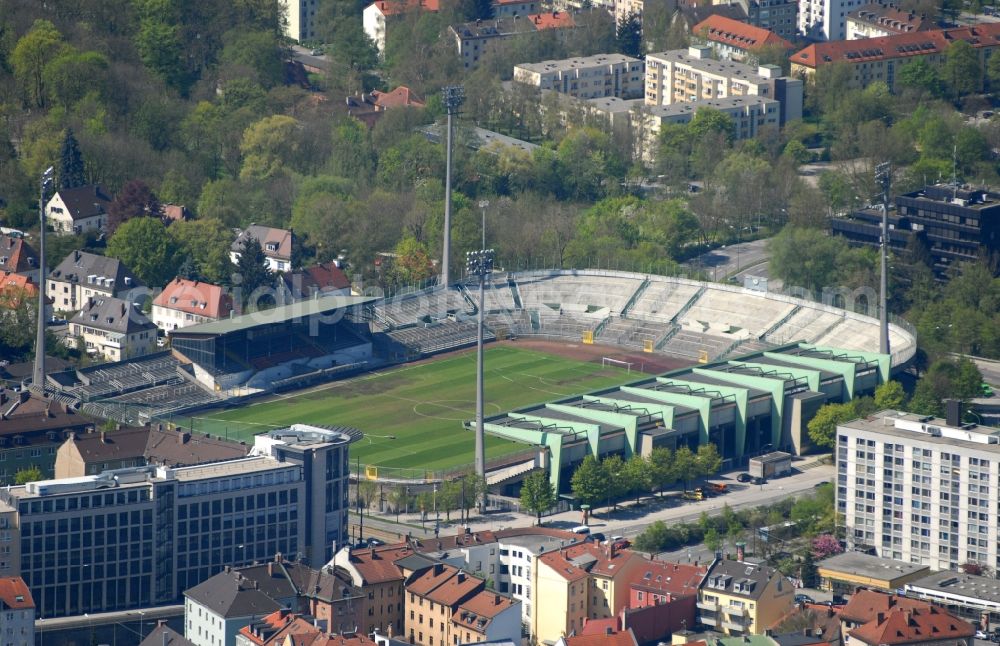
446	585
477	612
14	594
609	562
378	565
554	20
327	275
15	254
671	578
918	43
12	285
738	34
194	297
454	542
396	7
174	212
281	239
600	626
402	96
865	605
913	625
891	18
623	638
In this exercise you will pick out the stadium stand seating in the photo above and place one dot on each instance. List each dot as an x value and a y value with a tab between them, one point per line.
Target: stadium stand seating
807	323
439	337
633	332
662	300
593	292
726	311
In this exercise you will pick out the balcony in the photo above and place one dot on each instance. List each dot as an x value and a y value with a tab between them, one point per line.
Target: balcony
709	619
733	627
711	606
736	613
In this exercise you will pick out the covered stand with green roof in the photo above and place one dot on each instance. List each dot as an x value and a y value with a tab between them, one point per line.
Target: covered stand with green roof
746	406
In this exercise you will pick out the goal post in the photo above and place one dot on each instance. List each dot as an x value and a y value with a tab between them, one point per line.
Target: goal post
617	363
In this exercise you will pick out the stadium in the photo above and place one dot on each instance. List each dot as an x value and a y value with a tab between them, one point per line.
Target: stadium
587	361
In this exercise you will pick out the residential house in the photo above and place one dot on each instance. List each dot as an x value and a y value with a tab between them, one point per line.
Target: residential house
739	598
31	429
14	287
737	41
84	454
285	628
83	275
587	77
690	12
379	16
447	606
189	302
375	571
888	622
883	18
78	210
401	97
164	635
17	613
505	8
475	39
671	587
170	213
113	328
324	279
604	636
17	256
580	582
216	609
880	59
276	243
506	556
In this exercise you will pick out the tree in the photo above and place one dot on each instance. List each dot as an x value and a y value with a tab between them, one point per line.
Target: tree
412	263
826	545
713	540
685	465
806	257
268	146
207	243
707	460
945	379
617	480
653	538
476	9
70	163
537	494
920	74
823	426
961	69
135	200
661	467
638	475
161	49
628	35
589	482
252	269
33	51
73	75
809	572
890	396
144	245
31	474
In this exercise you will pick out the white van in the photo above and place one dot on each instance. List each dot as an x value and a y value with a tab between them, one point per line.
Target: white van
582	529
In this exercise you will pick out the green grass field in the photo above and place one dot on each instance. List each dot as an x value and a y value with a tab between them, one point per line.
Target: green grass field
422	405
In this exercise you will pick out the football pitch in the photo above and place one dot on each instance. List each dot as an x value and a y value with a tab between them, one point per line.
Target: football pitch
412	415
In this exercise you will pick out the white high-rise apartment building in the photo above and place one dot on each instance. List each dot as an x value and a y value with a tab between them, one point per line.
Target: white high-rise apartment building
826	19
917	489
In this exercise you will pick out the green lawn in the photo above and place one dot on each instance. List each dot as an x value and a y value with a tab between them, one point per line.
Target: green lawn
422	406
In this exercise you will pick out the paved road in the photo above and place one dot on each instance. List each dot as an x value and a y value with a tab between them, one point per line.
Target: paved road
730	260
631	521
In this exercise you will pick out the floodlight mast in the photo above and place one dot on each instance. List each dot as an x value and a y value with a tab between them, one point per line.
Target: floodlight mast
883	175
38	374
480	263
453	96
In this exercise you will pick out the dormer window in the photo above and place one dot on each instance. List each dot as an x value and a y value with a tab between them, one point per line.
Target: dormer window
173	299
128	281
272	246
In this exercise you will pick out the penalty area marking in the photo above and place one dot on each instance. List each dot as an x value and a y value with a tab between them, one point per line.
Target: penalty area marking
461	414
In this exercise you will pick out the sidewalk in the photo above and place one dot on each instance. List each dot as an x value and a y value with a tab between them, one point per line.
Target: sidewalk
630	520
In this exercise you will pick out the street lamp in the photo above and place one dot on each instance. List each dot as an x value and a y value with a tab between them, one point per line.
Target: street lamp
480	263
453	96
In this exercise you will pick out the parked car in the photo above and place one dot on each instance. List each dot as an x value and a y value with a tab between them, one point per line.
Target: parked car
758	480
804	598
982	634
744	477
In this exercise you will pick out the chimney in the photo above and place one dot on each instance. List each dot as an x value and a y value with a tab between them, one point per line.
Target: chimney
183	437
608	630
278	558
438	569
953	412
496	599
740	551
460	576
880	617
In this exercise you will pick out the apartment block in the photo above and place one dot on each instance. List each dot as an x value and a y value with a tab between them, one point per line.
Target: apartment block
141	536
920	489
884	19
587	77
680	76
301	19
378	17
879	59
739	598
474	39
82	275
